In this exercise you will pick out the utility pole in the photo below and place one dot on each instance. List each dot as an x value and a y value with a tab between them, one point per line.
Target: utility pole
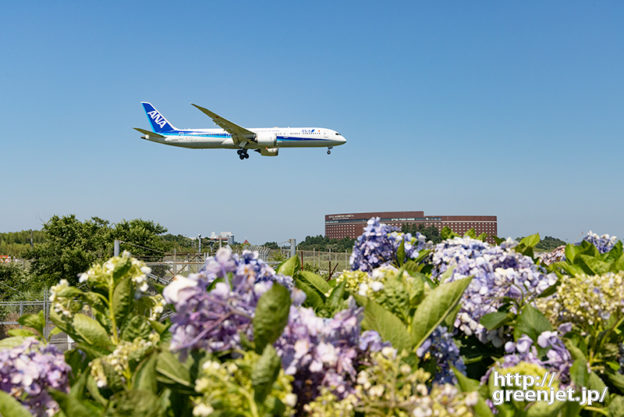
116	248
293	247
199	244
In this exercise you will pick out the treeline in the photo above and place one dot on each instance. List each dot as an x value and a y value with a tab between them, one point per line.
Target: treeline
15	244
325	244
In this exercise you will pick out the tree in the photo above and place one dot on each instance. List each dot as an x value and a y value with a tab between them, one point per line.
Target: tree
71	246
14	279
141	238
431	232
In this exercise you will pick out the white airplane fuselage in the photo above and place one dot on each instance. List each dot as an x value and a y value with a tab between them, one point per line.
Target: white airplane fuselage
288	137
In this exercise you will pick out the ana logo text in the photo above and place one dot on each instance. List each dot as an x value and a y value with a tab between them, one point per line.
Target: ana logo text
157	118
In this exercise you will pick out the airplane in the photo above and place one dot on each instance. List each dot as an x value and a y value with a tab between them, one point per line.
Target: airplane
265	141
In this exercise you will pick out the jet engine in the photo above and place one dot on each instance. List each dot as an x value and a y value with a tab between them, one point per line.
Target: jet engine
266	140
269	151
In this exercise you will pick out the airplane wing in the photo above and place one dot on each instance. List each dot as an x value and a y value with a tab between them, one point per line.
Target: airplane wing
239	134
148	133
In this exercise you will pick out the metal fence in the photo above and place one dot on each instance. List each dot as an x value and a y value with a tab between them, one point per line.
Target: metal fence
325	263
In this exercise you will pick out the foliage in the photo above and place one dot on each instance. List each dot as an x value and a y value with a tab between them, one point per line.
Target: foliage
325	244
15	279
16	244
431	233
71	246
549	243
388	339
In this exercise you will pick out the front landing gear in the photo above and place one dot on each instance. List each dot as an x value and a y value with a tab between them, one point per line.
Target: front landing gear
329	150
242	154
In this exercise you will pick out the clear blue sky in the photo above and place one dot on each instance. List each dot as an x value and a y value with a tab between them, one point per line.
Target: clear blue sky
512	109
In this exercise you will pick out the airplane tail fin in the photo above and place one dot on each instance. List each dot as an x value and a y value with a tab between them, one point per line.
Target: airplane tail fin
158	121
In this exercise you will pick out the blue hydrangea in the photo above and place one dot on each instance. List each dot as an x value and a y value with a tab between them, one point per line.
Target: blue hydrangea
603	243
557	360
442	348
325	352
498	272
29	370
214	320
379	243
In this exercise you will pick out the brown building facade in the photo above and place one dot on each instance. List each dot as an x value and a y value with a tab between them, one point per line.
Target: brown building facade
352	225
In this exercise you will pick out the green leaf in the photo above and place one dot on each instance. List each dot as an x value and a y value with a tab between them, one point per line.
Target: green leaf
470	385
336	296
11	342
495	320
92	333
389	326
290	266
138	327
400	257
594	382
170	367
121	268
532	323
144	377
313	299
23	333
578	372
72	406
592	265
531	241
617	380
35	321
271	316
314	280
10	407
94	390
447	233
616	406
570	252
435	307
264	373
123	296
131	403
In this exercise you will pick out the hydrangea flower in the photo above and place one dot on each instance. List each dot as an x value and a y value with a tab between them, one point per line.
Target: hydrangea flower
558	359
214	319
555	255
441	347
497	273
226	388
29	370
586	301
390	387
379	243
321	352
603	243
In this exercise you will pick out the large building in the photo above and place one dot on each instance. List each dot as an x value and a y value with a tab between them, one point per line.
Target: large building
338	226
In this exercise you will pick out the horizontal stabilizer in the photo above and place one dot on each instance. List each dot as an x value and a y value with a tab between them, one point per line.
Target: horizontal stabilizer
148	133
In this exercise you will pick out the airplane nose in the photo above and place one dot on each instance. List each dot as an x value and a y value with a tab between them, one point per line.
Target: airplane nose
343	139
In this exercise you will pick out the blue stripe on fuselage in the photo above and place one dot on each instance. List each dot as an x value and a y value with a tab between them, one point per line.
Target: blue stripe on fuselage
227	135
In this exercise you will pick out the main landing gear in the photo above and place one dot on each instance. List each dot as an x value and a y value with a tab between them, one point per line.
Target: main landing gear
242	154
329	148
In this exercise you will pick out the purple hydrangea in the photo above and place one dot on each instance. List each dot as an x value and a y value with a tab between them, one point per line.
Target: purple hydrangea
214	320
558	359
379	243
247	264
325	352
442	348
28	370
603	243
497	272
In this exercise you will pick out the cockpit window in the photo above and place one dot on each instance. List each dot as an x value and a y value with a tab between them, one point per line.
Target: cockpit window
337	134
